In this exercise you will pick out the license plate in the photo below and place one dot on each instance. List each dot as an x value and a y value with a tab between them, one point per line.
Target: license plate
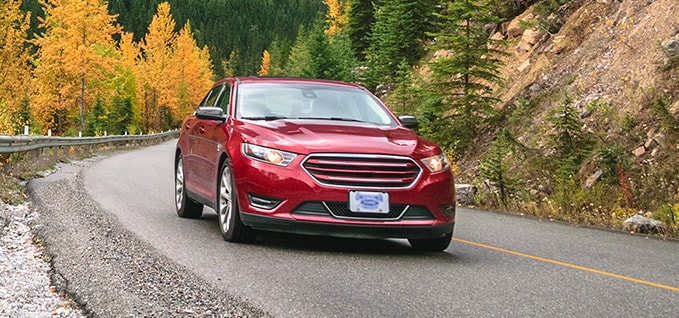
369	202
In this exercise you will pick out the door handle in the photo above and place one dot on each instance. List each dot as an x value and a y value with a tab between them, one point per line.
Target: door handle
187	127
201	130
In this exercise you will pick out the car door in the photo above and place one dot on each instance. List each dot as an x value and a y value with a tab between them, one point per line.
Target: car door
209	140
196	168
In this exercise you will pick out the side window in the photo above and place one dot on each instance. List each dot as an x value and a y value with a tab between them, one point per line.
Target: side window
211	97
224	99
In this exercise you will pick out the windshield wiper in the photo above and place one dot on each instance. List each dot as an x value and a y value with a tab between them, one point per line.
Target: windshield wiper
333	118
267	118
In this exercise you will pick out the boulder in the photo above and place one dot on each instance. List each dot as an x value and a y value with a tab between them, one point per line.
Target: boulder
671	48
641	224
465	194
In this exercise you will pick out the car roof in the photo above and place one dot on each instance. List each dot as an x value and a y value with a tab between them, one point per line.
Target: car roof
298	80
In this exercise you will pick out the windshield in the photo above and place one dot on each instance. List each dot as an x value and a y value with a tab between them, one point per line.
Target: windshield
271	101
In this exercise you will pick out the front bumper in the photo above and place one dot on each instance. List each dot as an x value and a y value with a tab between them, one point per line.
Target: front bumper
363	231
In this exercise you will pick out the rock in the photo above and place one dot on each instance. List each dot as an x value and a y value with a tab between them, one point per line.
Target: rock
641	224
531	36
514	29
523	66
589	183
649	143
640	151
498	36
465	194
671	49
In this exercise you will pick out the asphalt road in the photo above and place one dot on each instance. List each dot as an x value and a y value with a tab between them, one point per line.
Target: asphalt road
497	265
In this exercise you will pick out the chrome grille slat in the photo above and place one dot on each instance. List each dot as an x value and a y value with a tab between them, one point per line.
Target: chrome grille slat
362	171
341	210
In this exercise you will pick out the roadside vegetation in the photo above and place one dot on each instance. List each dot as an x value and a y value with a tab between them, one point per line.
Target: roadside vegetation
551	149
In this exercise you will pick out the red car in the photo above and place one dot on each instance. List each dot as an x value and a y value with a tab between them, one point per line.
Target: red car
311	157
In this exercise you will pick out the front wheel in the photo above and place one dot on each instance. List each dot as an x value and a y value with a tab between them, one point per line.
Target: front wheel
230	224
186	207
433	244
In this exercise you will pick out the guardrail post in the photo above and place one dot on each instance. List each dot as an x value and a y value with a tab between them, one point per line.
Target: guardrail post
26	130
49	132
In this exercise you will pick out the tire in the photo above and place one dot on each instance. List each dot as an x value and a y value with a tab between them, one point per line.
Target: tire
433	244
230	224
186	207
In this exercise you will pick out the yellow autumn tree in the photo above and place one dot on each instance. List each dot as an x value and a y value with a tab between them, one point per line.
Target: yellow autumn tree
195	70
14	71
158	79
266	64
337	16
75	58
124	106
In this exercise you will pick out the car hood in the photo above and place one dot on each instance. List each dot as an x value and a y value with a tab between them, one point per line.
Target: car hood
325	136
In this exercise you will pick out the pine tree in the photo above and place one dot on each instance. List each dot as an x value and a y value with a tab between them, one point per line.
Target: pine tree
569	142
361	18
298	55
496	163
467	66
397	34
97	119
342	59
279	52
318	63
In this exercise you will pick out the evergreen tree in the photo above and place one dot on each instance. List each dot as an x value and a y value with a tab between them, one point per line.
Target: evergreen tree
342	59
467	66
298	55
279	52
318	63
361	18
121	117
403	99
569	142
397	34
97	119
496	163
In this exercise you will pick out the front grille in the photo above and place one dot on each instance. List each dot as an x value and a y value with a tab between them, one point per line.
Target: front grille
341	210
362	171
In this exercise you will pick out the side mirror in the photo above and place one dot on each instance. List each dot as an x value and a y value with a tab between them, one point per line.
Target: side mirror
409	121
211	113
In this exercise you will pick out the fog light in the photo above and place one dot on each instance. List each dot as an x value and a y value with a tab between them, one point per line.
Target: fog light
448	209
264	203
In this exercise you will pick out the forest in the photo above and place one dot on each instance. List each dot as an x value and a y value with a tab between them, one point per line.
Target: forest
139	66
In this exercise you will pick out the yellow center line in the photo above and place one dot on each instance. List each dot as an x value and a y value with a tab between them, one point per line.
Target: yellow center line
582	268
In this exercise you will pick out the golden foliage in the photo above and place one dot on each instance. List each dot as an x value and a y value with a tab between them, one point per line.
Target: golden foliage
266	64
77	62
195	70
337	16
75	56
14	72
157	76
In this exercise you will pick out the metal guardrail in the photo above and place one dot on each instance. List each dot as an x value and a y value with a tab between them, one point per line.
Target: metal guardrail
16	144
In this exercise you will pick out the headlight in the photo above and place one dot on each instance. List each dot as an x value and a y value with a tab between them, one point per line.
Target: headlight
436	163
269	155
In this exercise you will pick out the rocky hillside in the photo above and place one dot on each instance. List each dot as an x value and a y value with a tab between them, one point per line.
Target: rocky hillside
618	60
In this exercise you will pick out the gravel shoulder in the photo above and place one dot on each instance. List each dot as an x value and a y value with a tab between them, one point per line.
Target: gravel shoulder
108	271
